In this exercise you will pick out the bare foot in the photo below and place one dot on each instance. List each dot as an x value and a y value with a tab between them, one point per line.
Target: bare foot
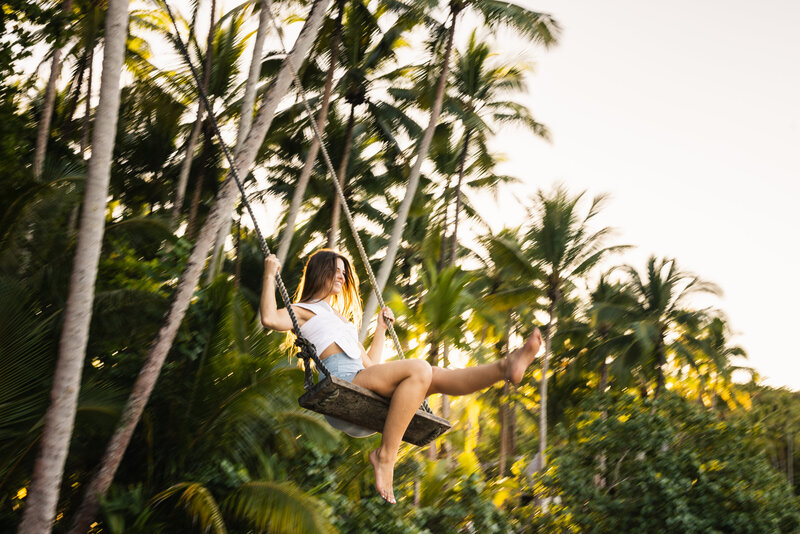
519	360
384	473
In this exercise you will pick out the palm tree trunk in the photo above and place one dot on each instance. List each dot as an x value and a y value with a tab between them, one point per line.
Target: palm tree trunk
145	382
662	363
253	75
506	410
183	177
75	88
433	359
43	130
186	165
333	233
305	174
87	110
206	161
445	413
248	104
413	181
790	457
602	384
445	223
504	445
454	238
548	334
48	470
237	266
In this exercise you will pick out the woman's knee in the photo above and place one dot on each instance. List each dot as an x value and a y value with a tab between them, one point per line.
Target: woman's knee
421	370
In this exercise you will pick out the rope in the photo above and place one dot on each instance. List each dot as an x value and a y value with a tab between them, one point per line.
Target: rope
307	351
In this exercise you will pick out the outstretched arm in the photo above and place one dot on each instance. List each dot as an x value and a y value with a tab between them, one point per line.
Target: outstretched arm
271	316
375	352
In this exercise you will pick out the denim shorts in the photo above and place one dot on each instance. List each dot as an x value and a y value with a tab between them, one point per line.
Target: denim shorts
343	366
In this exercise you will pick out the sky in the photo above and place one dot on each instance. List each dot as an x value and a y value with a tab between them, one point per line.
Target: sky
686	113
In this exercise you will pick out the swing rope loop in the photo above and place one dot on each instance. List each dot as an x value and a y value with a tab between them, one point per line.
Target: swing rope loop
337	186
307	351
340	193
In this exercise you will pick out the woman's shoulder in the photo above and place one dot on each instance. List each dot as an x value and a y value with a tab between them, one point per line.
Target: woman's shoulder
304	311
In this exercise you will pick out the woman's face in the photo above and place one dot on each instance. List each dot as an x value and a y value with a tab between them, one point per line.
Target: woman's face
338	277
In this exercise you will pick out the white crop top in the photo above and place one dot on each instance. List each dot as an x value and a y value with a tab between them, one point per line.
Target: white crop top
326	328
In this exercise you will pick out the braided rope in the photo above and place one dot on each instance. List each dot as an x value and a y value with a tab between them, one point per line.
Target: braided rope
307	350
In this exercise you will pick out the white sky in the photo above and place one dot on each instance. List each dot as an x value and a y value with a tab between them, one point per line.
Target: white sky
687	114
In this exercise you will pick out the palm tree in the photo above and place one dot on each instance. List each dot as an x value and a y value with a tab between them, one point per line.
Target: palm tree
565	246
509	293
313	149
41	506
246	119
250	412
538	27
477	100
662	316
711	362
191	276
183	177
367	53
606	335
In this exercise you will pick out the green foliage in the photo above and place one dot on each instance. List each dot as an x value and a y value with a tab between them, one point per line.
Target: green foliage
628	465
776	413
465	506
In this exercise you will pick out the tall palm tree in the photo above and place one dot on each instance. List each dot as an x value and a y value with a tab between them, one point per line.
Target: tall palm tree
223	205
711	363
41	507
607	338
183	177
246	119
367	54
477	100
227	47
537	27
566	247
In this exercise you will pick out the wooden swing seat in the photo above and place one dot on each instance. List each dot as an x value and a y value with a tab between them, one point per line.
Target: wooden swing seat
344	400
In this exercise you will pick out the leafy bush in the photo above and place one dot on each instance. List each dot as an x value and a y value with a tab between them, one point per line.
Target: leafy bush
632	465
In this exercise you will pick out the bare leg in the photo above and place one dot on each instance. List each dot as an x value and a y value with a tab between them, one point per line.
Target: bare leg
407	383
472	379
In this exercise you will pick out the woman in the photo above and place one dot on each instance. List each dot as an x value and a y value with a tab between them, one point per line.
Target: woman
327	308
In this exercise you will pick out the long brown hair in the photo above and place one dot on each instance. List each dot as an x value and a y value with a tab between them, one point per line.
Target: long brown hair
317	281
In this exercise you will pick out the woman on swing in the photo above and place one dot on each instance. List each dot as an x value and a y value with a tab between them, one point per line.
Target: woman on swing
327	308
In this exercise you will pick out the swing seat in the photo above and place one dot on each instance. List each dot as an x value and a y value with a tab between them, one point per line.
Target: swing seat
345	401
